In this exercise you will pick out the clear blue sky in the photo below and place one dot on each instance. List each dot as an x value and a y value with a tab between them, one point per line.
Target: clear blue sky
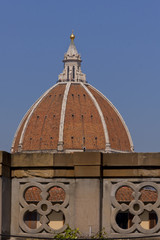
119	41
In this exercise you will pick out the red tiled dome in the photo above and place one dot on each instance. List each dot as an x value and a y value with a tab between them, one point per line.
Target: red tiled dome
72	116
90	122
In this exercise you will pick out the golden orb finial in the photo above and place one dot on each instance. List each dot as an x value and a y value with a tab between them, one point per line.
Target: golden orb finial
72	37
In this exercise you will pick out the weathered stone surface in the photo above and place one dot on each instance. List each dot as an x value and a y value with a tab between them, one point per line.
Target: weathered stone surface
131	159
87	171
64	173
46	173
131	172
87	205
82	171
6	205
84	164
120	172
5	158
6	171
32	159
63	159
87	158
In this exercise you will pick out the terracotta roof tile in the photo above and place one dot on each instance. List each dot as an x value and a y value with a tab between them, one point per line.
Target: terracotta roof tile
124	194
56	194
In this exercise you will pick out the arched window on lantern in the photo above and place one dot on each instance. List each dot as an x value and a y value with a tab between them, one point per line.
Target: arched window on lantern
68	73
73	72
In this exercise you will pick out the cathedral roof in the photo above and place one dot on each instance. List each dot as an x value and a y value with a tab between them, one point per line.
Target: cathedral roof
72	116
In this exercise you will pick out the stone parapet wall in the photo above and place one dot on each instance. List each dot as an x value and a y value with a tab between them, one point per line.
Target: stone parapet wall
85	164
90	181
5	192
5	163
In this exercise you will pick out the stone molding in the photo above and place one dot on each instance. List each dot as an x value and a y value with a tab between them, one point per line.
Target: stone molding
85	164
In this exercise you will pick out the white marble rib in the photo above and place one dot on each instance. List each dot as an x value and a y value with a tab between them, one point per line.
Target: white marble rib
122	120
19	126
63	110
31	112
107	148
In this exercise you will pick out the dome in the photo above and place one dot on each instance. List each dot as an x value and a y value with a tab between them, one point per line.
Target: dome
72	116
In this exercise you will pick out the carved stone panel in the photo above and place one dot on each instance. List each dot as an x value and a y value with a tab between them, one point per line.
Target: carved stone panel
44	206
133	207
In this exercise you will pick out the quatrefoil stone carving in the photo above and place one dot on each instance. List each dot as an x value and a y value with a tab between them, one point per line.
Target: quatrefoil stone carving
44	207
135	207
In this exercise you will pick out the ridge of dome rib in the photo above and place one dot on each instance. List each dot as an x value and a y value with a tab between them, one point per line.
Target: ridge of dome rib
107	147
19	127
20	147
63	111
120	117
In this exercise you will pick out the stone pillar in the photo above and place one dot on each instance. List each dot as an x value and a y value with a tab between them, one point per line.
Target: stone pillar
5	194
